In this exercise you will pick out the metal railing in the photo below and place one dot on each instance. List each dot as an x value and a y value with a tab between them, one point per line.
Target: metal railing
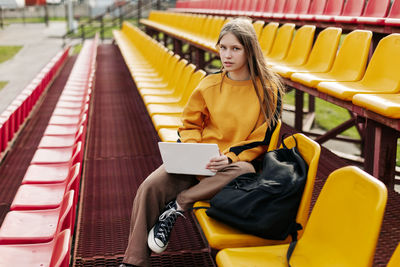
111	18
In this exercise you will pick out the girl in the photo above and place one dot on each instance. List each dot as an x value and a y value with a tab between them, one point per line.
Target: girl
238	109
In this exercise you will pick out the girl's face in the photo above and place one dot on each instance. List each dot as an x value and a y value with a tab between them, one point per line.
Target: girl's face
233	57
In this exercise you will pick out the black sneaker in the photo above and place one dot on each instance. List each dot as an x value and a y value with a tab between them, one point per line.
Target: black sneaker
159	235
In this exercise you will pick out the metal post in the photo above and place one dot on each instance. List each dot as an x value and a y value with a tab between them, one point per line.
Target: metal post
83	32
70	16
23	15
139	9
102	28
121	18
46	15
1	18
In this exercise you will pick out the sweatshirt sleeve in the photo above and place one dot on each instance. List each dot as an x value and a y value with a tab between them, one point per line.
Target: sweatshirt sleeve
193	117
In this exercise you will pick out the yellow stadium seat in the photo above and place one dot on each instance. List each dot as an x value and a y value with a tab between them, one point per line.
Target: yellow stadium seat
168	134
381	77
220	235
166	121
299	49
342	230
177	108
258	26
349	64
267	37
282	42
387	105
321	56
167	86
395	259
176	96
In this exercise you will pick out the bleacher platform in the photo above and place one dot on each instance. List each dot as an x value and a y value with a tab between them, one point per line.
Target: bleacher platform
79	140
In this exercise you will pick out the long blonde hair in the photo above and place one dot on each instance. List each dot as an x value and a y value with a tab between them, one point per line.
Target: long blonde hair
243	30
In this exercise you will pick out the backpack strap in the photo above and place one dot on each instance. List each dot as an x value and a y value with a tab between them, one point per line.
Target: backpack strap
293	243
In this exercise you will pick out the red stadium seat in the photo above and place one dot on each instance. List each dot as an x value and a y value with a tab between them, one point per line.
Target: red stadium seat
333	8
375	12
55	253
37	226
352	9
56	155
317	7
393	19
48	174
45	196
302	7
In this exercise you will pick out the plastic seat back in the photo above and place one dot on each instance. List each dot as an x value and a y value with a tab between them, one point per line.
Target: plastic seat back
194	81
324	50
395	259
290	7
352	57
258	26
317	7
184	80
337	225
310	151
66	211
282	41
333	7
384	68
376	8
269	6
302	6
353	8
61	250
267	37
279	6
301	46
395	10
273	143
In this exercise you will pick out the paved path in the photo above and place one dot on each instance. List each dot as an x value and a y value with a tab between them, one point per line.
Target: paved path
40	44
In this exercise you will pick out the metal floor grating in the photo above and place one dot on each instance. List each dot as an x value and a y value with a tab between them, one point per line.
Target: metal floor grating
120	152
15	164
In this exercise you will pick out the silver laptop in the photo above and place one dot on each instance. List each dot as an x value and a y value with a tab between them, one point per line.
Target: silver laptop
187	158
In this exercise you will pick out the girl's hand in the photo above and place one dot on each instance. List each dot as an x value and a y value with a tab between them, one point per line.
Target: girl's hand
218	163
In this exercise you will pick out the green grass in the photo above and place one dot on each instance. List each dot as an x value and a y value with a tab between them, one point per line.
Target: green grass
76	49
328	115
8	52
2	84
398	153
91	29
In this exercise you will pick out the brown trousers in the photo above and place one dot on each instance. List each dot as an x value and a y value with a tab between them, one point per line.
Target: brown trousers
158	189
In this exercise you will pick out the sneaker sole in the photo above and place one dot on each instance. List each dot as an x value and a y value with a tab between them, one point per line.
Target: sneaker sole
152	243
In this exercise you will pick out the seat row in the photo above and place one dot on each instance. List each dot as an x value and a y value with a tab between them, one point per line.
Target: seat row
164	80
16	113
37	231
339	196
362	12
293	53
334	68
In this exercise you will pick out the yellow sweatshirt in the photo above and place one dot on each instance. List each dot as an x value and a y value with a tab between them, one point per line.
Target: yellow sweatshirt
227	114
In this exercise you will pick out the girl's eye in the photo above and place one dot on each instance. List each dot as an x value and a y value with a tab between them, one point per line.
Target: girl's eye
236	49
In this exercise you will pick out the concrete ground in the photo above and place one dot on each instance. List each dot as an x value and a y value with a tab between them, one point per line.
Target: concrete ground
40	44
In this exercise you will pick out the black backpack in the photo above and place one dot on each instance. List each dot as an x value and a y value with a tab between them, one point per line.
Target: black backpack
266	203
